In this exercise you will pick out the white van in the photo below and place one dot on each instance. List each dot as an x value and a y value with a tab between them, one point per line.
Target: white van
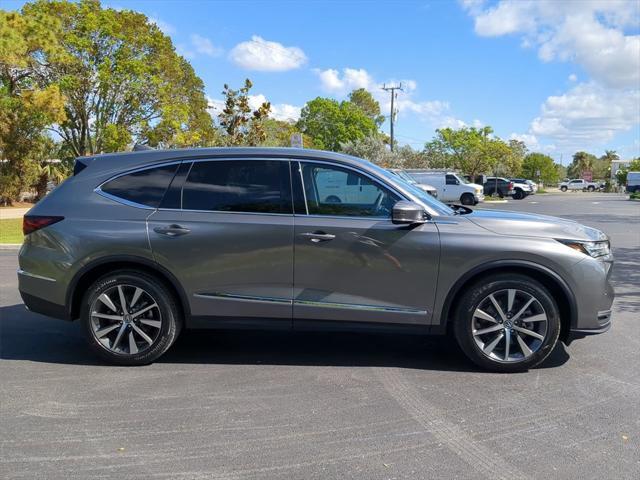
451	187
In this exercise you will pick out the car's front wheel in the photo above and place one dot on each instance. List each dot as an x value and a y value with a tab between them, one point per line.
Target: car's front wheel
563	189
467	199
519	194
130	317
507	323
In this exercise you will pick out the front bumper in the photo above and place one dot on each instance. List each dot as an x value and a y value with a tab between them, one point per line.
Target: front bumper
604	319
479	197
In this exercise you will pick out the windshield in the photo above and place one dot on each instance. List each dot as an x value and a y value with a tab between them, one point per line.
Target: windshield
433	204
405	176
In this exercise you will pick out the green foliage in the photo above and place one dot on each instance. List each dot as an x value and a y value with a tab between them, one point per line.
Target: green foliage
582	161
241	125
372	148
473	151
121	79
331	123
363	99
27	103
621	175
539	162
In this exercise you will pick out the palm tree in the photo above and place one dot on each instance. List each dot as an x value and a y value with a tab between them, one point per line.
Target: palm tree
582	161
610	156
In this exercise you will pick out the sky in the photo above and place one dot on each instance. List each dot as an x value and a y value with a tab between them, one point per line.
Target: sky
560	75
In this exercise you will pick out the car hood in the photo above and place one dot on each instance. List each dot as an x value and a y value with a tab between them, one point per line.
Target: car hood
532	225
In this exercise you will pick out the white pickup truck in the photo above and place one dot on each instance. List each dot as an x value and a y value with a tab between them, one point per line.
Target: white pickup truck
579	184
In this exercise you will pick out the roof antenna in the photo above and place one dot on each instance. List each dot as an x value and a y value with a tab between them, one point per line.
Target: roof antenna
139	147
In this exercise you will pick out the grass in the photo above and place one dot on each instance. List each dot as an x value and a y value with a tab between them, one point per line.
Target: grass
11	230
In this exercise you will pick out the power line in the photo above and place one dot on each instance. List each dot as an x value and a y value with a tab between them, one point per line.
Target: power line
392	117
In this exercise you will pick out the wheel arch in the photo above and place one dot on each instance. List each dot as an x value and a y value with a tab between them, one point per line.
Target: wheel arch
557	287
89	273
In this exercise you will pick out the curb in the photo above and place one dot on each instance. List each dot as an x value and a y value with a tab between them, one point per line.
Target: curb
10	246
496	201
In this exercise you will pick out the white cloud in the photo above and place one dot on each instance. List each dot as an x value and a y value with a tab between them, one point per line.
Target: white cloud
263	55
589	32
204	46
279	111
587	115
573	77
165	27
530	140
341	83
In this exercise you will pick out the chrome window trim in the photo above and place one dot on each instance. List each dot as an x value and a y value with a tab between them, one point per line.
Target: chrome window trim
124	201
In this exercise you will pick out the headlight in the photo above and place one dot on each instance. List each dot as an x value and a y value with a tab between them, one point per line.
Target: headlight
479	190
593	249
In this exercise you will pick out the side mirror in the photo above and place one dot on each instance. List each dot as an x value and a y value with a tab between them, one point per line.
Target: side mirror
408	213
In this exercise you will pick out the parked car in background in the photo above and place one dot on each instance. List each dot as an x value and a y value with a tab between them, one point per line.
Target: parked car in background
141	245
430	189
500	186
521	189
451	187
532	185
578	184
633	182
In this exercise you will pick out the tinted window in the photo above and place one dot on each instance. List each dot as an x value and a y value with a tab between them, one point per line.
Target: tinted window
252	186
145	187
452	180
332	190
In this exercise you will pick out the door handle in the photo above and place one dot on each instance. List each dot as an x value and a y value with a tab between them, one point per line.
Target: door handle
317	237
172	230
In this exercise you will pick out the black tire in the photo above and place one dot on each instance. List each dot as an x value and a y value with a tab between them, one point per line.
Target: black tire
563	189
467	199
591	188
332	199
519	194
170	315
496	284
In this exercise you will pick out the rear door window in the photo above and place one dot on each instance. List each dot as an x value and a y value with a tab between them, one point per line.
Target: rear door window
249	186
144	187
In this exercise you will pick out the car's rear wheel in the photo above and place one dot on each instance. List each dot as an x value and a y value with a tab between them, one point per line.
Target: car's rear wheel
467	199
519	194
591	188
507	323
130	318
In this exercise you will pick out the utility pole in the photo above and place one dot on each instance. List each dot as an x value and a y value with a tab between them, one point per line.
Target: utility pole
392	89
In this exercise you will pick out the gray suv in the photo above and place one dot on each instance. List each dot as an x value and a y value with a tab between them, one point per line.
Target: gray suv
140	245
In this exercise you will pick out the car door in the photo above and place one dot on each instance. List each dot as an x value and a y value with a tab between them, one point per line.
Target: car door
352	264
575	185
225	231
452	188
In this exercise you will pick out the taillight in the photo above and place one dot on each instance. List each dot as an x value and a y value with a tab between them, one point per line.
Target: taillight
510	185
31	223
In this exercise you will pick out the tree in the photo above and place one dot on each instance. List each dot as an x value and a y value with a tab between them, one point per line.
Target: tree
539	162
363	99
582	161
121	79
621	175
467	149
27	103
331	123
602	166
241	125
372	148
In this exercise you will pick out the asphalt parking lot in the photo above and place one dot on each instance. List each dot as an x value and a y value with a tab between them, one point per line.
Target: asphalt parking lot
317	406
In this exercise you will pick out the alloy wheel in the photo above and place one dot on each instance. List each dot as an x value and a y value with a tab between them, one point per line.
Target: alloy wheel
126	319
509	325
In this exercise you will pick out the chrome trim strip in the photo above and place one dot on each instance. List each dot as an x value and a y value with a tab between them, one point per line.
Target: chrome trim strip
354	306
122	201
242	298
33	275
